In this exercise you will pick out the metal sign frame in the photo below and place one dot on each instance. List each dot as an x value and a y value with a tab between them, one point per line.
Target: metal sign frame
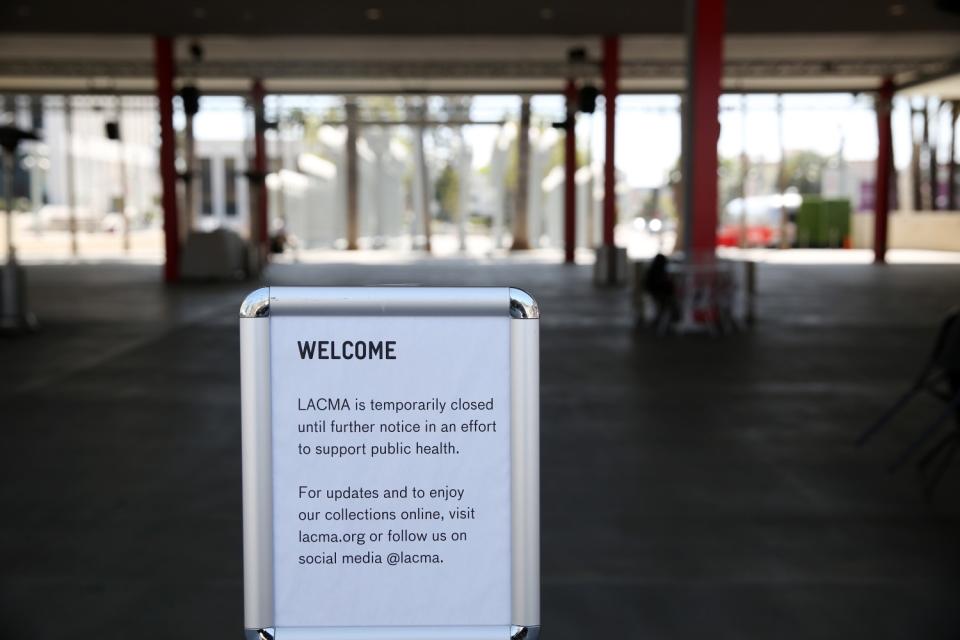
255	373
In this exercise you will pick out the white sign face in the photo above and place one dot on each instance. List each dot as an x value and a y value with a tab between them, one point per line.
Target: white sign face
391	465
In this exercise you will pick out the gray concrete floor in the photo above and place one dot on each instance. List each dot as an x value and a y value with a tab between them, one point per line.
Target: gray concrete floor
692	487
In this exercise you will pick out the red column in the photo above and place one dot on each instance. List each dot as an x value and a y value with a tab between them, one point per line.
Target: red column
611	78
163	72
881	208
257	96
570	176
704	74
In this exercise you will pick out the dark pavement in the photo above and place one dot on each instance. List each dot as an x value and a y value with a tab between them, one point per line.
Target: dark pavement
693	487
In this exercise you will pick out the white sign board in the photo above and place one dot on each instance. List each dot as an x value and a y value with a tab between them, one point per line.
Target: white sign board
390	464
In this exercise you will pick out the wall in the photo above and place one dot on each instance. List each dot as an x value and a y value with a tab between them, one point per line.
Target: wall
938	230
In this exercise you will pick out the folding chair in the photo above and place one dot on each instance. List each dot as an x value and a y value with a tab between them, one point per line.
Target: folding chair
940	377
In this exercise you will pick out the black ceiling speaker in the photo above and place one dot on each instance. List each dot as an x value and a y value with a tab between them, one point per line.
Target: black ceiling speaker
190	96
10	137
112	129
588	98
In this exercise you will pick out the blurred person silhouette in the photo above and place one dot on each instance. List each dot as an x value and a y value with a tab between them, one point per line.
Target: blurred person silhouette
659	285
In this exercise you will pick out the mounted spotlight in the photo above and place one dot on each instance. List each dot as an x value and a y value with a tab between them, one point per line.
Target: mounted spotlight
190	96
577	55
587	98
112	129
11	137
196	51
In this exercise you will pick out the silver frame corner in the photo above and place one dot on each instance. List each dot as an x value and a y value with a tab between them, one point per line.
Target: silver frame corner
256	304
518	632
523	306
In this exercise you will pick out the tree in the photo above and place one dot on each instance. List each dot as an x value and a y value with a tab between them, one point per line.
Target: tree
447	191
804	171
728	170
558	156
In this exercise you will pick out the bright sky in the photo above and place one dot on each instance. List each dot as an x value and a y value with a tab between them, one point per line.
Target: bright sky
648	127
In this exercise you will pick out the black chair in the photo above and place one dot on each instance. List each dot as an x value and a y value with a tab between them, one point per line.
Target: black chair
941	379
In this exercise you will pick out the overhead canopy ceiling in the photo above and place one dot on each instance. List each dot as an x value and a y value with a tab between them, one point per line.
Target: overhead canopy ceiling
833	62
450	17
348	47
